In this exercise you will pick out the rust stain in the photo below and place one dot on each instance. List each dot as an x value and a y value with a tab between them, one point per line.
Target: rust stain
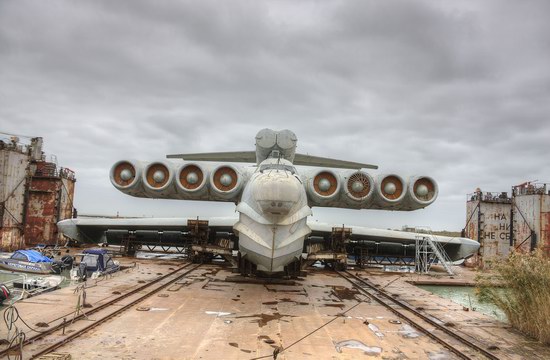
225	170
398	187
152	170
264	319
344	293
40	195
49	200
325	175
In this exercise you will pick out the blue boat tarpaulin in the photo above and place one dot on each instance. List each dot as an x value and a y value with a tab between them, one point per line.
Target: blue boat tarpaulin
33	256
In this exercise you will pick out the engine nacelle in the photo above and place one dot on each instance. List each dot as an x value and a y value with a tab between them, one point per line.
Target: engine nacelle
126	176
359	189
391	191
226	182
324	187
267	140
422	191
157	179
191	181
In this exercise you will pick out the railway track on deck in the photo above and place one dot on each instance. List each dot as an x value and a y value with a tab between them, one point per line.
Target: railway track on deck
41	343
428	325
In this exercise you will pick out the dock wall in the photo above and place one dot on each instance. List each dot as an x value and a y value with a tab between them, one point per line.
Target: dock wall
502	223
34	195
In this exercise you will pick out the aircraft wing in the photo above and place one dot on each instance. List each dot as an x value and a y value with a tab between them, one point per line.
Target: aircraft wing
92	230
310	160
250	157
226	156
380	241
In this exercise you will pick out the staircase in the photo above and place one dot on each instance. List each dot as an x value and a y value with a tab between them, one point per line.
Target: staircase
428	251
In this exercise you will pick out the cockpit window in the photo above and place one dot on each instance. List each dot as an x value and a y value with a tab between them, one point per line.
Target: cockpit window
283	167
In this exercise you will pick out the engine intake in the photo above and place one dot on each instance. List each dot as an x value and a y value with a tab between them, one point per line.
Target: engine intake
392	188
359	186
191	178
157	179
324	187
125	175
225	181
424	190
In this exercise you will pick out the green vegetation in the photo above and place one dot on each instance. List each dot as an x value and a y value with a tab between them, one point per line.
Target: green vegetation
526	300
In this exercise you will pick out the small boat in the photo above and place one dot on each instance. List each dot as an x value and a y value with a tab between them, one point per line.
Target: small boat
30	261
4	293
93	264
39	284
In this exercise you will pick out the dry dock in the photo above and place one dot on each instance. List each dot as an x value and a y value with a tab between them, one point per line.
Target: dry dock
194	313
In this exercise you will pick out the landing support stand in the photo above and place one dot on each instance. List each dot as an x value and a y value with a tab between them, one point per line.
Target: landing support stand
199	231
129	245
294	269
246	268
333	252
204	249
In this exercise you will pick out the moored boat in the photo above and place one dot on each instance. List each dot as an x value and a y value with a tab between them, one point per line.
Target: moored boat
39	284
93	264
30	261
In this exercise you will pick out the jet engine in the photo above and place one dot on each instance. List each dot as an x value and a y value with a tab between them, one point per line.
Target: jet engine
359	188
225	182
423	191
191	180
391	191
157	179
267	140
125	175
324	187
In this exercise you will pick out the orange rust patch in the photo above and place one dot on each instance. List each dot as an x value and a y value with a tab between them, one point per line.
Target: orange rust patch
186	171
151	171
431	189
223	171
118	170
398	187
332	180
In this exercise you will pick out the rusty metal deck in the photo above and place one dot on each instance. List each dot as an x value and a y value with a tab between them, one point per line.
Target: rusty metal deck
206	317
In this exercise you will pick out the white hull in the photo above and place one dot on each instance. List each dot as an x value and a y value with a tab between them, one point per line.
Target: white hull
271	247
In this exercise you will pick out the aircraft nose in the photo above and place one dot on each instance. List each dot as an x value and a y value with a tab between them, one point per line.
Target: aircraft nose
276	194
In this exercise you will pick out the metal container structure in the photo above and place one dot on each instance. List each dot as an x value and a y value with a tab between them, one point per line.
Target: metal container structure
488	221
531	217
14	170
502	224
50	200
34	195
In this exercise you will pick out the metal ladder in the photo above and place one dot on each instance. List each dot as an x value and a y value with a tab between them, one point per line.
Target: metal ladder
428	250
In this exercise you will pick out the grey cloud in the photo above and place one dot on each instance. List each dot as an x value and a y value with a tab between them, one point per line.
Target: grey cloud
457	91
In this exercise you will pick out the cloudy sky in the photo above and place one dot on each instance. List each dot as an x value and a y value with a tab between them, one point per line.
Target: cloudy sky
459	91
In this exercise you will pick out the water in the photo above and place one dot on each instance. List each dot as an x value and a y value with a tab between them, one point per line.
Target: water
465	295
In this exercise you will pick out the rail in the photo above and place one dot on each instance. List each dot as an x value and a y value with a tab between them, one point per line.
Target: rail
171	278
415	318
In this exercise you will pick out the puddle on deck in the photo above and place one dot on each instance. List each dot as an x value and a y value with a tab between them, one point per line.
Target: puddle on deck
465	296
